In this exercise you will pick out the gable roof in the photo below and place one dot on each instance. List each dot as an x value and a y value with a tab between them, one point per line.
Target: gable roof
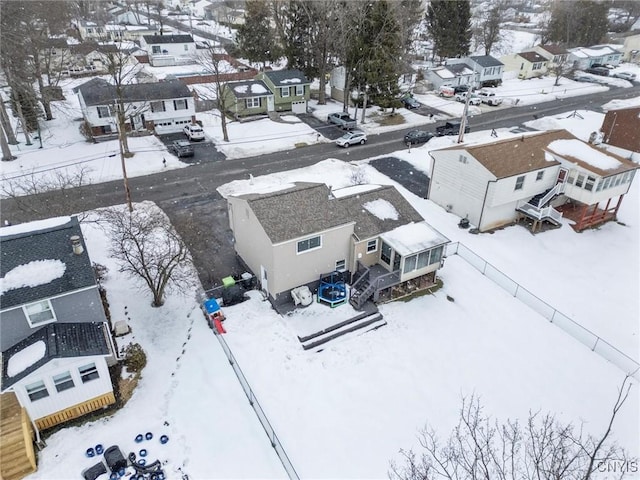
460	69
595	51
99	92
286	78
621	128
61	340
310	208
159	39
369	225
554	49
249	88
86	48
486	61
53	244
294	212
532	57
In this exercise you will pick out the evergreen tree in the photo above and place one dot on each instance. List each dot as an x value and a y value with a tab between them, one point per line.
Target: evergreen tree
256	39
578	23
449	23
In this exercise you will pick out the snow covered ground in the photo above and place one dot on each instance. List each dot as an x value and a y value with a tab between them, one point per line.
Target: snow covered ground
346	411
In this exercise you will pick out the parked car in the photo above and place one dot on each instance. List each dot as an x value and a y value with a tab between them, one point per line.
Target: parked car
489	98
417	136
473	100
625	76
352	138
452	127
461	89
410	102
602	71
585	77
193	132
182	148
342	119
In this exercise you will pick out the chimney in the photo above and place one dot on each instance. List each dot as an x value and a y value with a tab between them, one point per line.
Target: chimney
76	244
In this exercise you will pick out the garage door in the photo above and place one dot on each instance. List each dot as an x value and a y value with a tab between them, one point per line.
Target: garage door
170	125
299	107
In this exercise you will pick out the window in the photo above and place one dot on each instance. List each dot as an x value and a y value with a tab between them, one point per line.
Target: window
580	180
63	381
36	391
539	175
599	187
39	313
571	177
409	264
618	180
590	182
180	104
309	244
155	49
385	253
186	47
519	182
284	92
158	106
88	373
436	255
423	259
372	245
463	159
341	265
606	182
252	102
103	112
299	90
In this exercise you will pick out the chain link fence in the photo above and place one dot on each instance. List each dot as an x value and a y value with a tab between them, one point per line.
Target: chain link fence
577	331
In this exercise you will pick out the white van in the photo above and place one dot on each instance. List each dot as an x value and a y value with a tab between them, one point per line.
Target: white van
446	91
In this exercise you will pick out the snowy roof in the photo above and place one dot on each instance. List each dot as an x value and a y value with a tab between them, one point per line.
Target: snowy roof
442	72
249	88
596	51
413	238
37	262
99	92
309	208
554	49
162	39
283	78
506	158
591	158
55	340
486	61
460	69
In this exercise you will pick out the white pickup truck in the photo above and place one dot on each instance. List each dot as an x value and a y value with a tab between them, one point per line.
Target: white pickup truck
489	98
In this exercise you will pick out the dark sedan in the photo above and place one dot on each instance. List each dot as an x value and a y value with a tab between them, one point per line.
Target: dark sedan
417	136
410	102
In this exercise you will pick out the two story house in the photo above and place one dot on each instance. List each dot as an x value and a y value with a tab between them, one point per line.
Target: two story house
273	91
290	237
168	50
542	177
160	107
527	64
55	338
582	58
487	69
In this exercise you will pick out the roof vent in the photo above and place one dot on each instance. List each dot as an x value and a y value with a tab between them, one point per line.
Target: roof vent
76	244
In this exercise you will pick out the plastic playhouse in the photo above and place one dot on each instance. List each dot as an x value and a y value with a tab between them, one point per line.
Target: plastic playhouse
332	289
214	314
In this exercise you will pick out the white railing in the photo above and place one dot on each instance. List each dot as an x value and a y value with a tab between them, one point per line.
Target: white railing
557	190
540	213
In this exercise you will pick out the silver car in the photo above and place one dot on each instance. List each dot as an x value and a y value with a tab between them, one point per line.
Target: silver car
352	138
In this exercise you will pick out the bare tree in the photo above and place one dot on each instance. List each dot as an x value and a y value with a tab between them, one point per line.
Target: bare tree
45	194
217	64
486	30
147	247
4	145
543	449
6	124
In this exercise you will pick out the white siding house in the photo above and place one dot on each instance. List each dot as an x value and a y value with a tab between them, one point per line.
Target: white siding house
533	176
167	50
582	58
162	107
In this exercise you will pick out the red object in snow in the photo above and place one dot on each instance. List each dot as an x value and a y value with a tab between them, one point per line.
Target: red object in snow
218	324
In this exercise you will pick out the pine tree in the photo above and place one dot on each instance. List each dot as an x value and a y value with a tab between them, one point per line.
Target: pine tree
449	24
256	39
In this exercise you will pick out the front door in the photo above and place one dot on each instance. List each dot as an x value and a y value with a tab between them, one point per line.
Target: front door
562	176
270	104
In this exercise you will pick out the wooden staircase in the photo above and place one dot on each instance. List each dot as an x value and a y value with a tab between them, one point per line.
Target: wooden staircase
17	455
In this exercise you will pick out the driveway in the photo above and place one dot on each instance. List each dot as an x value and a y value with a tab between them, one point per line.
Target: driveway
204	151
404	173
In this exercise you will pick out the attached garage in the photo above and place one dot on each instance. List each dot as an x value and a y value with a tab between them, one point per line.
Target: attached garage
299	107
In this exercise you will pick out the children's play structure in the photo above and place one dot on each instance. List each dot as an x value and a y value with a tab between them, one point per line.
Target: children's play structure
332	289
214	315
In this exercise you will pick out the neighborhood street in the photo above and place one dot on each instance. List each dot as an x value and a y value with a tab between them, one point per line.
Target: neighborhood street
189	195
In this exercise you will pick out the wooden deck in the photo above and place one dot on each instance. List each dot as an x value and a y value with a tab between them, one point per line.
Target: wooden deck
75	411
17	455
586	216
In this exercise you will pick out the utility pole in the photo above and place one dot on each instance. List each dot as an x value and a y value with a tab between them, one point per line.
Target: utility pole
463	120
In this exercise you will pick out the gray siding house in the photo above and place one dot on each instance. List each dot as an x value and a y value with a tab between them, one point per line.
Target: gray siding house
55	338
291	237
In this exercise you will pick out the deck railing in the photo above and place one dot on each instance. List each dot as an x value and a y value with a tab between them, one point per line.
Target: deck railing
583	335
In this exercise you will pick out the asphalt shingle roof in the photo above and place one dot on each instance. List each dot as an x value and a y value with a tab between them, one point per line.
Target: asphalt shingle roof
62	340
287	78
158	39
309	208
554	49
49	244
486	61
532	57
249	88
100	92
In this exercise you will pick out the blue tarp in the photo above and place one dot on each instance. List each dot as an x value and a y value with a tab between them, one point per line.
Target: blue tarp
211	306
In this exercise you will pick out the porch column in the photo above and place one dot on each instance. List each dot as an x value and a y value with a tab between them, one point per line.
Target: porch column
615	210
606	209
581	221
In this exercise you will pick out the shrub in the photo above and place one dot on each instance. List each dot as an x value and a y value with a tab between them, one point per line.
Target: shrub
134	358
